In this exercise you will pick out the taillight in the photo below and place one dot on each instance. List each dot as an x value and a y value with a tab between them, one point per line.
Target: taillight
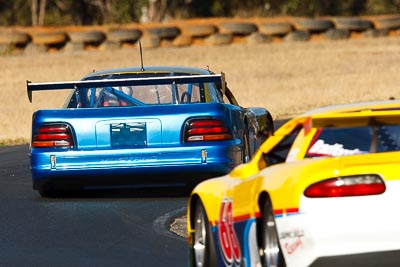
357	185
53	135
206	130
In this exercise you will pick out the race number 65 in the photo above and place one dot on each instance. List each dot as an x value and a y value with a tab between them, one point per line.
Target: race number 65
227	237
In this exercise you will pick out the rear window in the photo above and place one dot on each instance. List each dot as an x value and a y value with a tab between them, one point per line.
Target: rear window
143	95
355	140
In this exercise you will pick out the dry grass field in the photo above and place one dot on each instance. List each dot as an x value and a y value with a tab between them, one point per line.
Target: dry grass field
287	78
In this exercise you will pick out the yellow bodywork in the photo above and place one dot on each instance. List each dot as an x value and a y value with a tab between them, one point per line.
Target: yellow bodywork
284	183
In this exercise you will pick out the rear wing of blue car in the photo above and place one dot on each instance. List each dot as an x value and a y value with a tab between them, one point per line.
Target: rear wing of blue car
211	78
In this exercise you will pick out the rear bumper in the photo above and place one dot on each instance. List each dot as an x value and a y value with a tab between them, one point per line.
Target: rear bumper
330	231
339	241
186	163
386	258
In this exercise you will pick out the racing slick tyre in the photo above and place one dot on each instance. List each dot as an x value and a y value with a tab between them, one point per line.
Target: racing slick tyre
203	251
269	248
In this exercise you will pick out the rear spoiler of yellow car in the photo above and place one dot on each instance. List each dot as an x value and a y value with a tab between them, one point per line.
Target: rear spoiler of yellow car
211	78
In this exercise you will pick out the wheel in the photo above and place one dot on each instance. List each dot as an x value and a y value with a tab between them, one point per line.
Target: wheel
203	246
270	251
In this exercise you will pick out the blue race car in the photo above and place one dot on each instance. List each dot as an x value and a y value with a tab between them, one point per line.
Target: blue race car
142	127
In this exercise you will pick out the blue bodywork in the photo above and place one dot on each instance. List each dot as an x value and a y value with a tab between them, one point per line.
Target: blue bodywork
143	143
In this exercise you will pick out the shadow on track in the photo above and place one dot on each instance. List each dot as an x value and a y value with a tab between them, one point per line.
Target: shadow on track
170	192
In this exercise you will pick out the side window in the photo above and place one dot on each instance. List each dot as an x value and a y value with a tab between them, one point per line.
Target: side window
343	141
332	141
280	152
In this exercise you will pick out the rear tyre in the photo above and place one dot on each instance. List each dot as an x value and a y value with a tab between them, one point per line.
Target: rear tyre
203	246
270	251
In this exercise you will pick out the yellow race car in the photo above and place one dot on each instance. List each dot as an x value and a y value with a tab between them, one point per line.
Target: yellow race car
323	190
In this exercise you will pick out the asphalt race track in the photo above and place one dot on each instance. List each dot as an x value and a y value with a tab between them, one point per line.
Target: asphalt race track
100	229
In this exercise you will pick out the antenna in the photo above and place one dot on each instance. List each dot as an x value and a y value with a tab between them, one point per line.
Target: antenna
141	56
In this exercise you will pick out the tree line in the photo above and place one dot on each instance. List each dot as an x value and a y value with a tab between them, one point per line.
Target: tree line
99	12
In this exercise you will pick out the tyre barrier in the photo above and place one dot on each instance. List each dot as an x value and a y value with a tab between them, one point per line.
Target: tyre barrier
123	35
12	37
275	28
11	40
237	28
352	24
297	36
182	40
312	25
388	23
219	39
86	37
336	34
198	30
211	31
258	38
168	32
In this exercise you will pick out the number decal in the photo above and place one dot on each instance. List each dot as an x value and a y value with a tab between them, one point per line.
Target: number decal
227	237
